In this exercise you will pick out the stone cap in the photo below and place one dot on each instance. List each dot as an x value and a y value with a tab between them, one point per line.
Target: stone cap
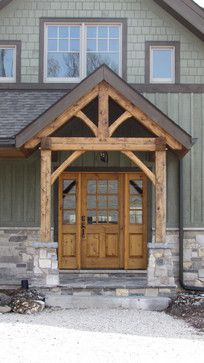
45	244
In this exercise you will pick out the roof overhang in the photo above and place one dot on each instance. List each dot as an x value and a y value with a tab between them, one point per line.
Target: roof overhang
3	3
187	12
104	74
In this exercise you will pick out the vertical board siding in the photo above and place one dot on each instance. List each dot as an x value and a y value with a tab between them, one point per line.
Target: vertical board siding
187	111
19	192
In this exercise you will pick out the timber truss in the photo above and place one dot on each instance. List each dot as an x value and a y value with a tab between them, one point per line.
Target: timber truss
102	85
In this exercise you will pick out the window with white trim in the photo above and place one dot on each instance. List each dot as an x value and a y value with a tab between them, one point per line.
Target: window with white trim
73	51
7	63
162	64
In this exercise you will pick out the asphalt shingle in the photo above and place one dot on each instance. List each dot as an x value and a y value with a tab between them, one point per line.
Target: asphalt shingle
19	108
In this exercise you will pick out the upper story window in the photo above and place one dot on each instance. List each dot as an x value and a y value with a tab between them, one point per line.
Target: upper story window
162	62
7	63
73	51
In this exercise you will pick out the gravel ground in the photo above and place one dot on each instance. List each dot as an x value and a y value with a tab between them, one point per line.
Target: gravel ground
100	336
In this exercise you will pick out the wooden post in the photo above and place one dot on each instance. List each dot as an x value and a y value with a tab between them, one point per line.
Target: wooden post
103	112
45	228
160	219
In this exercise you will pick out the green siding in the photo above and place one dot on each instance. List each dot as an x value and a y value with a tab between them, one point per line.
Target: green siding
19	192
187	111
146	20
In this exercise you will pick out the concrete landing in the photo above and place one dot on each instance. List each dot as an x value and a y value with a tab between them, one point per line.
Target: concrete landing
109	302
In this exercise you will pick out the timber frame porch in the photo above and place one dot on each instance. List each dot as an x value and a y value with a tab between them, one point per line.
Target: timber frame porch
104	84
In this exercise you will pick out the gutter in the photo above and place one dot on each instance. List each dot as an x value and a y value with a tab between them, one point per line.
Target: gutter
181	234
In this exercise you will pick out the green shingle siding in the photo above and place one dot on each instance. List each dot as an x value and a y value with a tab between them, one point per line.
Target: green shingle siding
146	21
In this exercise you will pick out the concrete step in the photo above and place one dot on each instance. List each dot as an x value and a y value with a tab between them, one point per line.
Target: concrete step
108	302
103	280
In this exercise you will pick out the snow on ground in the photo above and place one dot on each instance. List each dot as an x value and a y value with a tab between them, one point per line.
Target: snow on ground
101	336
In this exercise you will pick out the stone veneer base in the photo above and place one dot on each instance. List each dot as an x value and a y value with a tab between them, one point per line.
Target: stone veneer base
24	256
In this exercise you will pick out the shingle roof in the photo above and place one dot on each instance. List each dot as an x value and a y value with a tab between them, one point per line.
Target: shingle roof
18	108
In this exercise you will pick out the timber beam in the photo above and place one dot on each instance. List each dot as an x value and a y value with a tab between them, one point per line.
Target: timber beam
96	144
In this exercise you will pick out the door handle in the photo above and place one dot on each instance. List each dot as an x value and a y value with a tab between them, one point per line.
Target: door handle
83	227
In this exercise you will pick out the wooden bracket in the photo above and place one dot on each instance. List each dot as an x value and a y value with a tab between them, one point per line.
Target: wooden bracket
65	164
119	121
88	122
141	165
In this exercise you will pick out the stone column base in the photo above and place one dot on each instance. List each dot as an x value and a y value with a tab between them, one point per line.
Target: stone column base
160	266
45	269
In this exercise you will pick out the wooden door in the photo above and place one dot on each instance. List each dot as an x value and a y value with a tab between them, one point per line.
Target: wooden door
101	245
135	221
69	220
102	221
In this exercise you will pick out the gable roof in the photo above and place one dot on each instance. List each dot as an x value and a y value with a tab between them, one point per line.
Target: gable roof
186	12
104	73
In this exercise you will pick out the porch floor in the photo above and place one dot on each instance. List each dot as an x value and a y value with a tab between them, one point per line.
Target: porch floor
103	279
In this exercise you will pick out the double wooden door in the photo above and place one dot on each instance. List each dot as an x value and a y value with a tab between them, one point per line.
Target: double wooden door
102	221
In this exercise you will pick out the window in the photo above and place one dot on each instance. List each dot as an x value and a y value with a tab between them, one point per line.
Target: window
73	51
162	62
7	63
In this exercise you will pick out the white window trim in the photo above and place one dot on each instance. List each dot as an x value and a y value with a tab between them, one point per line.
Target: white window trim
173	64
83	47
10	79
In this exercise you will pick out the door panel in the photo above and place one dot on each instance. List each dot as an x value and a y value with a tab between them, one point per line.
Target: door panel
135	221
69	219
100	246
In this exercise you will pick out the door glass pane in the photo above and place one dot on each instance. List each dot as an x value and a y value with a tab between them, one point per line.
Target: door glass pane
91	187
91	217
91	202
113	202
102	202
69	186
113	187
136	202
69	217
135	186
102	187
113	217
135	216
102	216
69	202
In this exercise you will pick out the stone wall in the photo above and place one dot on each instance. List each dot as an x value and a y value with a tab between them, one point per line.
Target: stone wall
193	259
23	256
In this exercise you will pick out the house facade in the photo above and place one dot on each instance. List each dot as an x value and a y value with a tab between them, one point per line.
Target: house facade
101	140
